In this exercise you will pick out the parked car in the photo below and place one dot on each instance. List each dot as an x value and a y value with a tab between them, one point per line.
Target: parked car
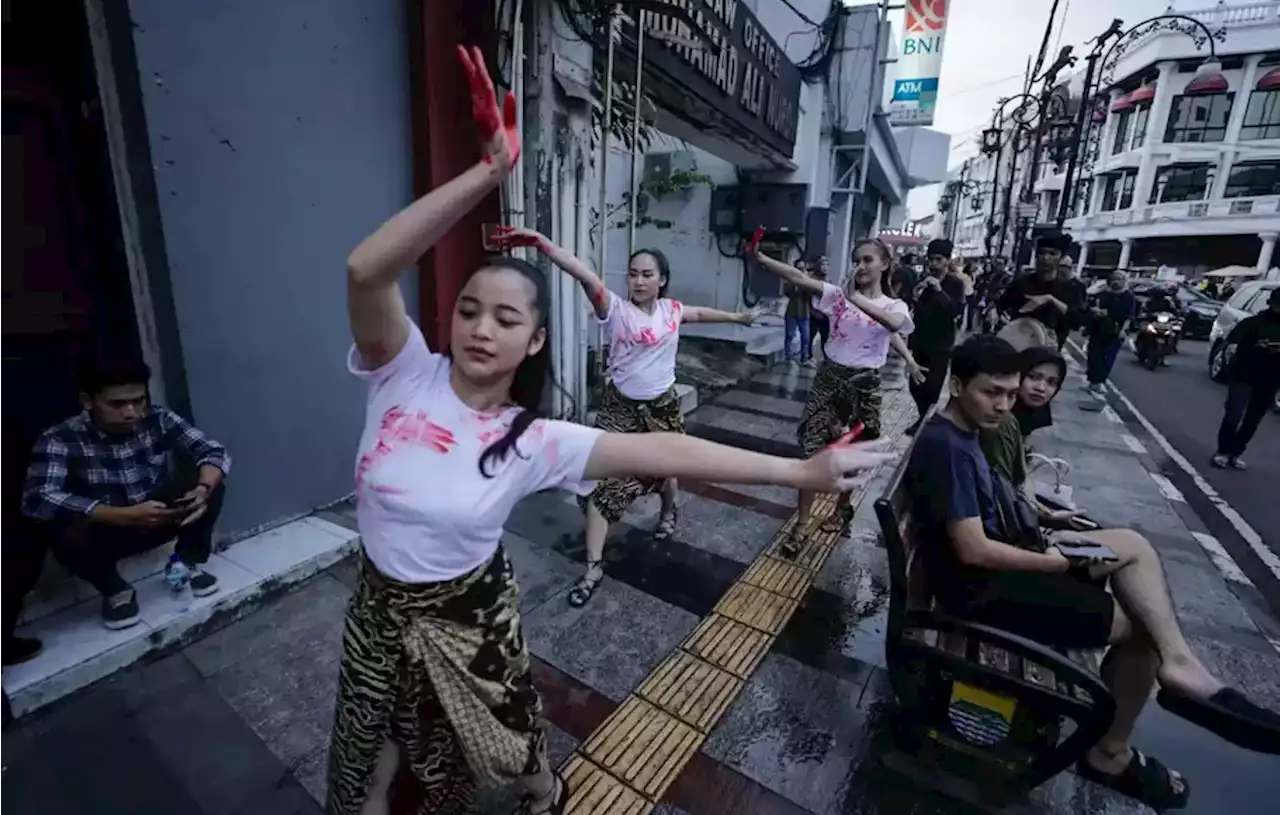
1198	309
1249	299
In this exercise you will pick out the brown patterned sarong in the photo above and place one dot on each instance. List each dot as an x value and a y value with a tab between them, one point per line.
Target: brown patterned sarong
618	414
838	398
441	669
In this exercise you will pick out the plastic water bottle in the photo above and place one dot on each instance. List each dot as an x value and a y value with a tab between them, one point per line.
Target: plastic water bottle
176	574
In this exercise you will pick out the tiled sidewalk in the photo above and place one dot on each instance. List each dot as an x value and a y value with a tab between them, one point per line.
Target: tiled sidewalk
238	722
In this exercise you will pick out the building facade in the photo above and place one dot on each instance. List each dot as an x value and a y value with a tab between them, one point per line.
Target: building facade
1186	164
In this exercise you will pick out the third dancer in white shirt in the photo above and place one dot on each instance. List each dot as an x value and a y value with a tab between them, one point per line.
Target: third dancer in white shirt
640	397
846	390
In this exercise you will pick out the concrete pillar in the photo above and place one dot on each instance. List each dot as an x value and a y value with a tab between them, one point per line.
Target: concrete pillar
1126	248
1248	78
1083	260
1156	121
1268	249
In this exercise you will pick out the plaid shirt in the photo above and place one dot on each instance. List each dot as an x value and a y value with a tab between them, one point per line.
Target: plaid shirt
75	466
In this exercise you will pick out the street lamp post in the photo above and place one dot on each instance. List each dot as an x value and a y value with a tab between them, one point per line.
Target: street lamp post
1020	120
1200	35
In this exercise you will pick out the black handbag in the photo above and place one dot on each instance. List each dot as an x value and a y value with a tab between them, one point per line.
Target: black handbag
1017	519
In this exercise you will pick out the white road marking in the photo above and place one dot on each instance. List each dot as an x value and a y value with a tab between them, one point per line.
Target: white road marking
1111	414
1167	489
1225	563
1274	644
1269	558
1133	444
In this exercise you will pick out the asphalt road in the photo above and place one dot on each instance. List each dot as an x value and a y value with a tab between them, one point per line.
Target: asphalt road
1185	405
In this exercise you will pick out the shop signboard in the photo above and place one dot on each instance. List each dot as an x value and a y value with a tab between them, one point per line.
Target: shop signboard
915	91
729	63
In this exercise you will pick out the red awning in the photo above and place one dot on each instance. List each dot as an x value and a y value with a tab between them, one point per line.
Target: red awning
1209	83
1270	81
1122	104
1143	94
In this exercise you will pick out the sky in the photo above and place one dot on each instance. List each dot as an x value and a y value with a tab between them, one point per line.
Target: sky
985	56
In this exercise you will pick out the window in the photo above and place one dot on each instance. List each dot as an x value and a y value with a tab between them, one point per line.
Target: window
1262	117
1199	118
1181	183
1258	178
1260	300
1118	192
1122	132
1139	128
1240	298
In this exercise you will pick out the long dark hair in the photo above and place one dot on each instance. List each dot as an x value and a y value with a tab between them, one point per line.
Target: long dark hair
660	260
535	373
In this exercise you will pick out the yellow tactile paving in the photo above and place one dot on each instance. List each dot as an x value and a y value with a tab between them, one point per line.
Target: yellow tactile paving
778	576
643	746
756	607
626	765
595	791
691	689
728	644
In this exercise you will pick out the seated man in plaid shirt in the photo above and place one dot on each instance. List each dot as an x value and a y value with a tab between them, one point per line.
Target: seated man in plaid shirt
122	477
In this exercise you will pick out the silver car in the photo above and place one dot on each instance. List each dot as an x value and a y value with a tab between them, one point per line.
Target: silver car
1248	300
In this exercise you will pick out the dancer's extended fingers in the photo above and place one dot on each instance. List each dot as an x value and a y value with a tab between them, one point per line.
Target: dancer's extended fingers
482	72
509	119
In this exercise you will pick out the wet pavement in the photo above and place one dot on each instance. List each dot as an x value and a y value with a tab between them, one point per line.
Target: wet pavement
238	722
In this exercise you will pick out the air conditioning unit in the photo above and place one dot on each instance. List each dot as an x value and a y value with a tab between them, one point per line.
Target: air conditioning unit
779	208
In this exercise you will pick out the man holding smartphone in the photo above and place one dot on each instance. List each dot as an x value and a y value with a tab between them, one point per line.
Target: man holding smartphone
121	477
978	571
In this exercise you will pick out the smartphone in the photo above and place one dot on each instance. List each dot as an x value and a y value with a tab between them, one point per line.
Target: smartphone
1087	551
854	433
487	235
1084	524
179	502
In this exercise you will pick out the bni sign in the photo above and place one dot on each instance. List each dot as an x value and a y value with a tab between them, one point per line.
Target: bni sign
915	93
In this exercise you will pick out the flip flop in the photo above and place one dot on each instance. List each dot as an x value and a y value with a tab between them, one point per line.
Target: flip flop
1229	714
1143	779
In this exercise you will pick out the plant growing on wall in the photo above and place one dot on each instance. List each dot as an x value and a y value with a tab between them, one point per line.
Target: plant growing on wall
678	183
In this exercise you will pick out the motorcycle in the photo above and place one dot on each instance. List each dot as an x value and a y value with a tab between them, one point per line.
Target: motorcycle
1157	338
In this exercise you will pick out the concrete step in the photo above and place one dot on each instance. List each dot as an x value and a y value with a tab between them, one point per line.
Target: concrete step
79	650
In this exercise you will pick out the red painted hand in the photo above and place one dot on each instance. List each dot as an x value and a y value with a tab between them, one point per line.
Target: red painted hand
754	244
499	136
508	237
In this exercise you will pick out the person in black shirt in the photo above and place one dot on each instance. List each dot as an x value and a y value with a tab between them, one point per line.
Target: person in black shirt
1043	295
819	325
1255	378
1107	320
939	300
981	570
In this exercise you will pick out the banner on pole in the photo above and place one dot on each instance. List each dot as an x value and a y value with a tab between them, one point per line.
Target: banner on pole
915	92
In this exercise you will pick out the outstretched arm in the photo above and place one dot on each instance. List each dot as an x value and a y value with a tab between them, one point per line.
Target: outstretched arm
839	468
509	238
789	273
702	314
893	322
375	307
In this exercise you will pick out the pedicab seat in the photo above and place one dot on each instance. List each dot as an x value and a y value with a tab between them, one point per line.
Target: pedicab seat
980	714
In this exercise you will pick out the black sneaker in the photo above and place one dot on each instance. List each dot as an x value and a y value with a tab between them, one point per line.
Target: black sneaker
201	582
18	650
120	610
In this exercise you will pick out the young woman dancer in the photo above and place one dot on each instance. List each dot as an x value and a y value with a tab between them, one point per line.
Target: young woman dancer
640	395
434	689
846	389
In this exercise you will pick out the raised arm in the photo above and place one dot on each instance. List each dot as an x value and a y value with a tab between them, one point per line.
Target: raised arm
509	238
789	273
839	468
375	307
702	314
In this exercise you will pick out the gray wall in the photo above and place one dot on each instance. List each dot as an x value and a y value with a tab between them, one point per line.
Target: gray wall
280	136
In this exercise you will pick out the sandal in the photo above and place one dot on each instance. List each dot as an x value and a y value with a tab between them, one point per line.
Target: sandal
793	543
838	521
1229	714
667	522
558	800
1144	779
586	586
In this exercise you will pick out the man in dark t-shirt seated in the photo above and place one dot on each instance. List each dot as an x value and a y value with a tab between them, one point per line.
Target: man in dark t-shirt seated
1041	595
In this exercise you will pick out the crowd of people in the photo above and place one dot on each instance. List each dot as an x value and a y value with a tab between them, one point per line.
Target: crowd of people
434	689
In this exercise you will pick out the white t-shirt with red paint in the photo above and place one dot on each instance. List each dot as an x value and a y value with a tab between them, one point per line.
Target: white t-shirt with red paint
642	347
424	510
856	340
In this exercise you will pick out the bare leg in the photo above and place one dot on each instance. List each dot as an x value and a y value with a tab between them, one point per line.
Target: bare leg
670	491
597	531
668	517
1139	584
377	800
1130	672
542	786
